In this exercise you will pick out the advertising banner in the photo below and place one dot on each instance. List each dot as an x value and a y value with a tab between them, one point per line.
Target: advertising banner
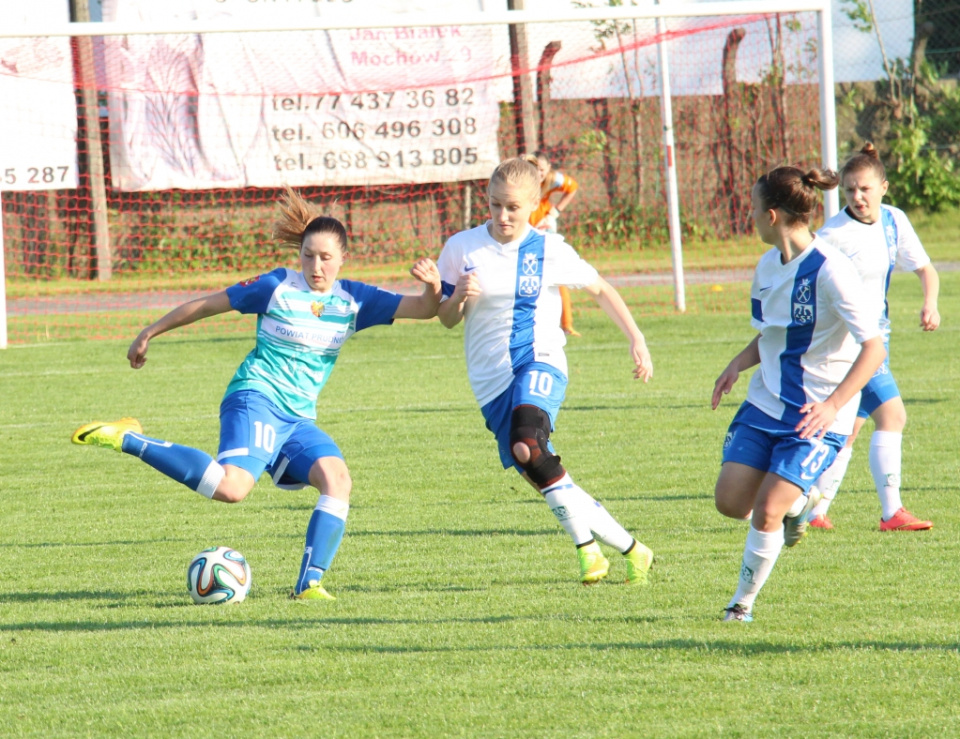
342	107
38	128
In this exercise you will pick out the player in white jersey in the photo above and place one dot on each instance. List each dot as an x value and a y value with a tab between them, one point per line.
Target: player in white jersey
811	311
267	417
502	279
877	238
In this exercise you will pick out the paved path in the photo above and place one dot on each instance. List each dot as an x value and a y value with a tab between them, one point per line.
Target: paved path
167	299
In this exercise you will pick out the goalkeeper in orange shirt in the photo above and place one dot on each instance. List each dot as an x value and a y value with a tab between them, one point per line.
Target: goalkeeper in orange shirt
547	213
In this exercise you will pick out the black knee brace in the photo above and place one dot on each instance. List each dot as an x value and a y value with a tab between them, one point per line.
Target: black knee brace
531	426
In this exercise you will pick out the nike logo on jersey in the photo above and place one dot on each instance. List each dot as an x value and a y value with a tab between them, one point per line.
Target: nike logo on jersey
764	289
472	267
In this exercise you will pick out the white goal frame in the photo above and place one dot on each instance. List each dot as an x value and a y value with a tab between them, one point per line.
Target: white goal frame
650	10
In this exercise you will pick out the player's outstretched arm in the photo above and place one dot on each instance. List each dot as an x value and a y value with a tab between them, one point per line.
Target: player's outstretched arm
612	304
195	310
426	303
450	311
818	417
930	282
749	357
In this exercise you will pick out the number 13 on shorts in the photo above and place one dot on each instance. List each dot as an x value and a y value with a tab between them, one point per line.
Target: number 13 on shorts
814	461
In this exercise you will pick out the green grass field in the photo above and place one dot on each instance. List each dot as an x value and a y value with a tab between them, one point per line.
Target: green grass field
459	612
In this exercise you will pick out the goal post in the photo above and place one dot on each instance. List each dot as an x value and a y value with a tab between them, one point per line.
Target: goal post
392	123
3	286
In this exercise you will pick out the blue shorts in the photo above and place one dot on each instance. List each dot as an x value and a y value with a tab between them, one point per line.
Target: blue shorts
757	440
879	389
535	384
256	435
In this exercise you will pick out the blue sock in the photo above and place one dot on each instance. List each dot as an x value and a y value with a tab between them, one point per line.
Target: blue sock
324	534
192	467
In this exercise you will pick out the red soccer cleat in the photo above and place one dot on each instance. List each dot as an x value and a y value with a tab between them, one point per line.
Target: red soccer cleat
821	522
903	520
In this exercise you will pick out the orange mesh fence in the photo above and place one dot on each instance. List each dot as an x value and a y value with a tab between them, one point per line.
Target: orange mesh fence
197	135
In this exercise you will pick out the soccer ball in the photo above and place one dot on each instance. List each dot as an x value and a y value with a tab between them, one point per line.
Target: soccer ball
218	575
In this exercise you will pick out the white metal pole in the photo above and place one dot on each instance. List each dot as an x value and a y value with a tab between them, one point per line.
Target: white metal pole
828	106
670	170
3	285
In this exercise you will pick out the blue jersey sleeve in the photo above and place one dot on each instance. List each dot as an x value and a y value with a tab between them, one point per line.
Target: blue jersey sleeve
376	307
253	295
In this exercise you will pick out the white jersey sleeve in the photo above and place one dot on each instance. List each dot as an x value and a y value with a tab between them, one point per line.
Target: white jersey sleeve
911	255
564	266
846	298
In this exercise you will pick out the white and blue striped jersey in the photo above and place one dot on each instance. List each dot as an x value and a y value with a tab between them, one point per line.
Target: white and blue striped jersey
812	314
876	248
300	333
516	318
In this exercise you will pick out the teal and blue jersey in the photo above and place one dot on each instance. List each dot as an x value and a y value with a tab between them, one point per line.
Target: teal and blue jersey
300	333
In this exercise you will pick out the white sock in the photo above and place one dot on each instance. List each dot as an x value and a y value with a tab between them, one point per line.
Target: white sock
564	499
829	482
759	556
211	479
885	461
604	526
797	507
608	530
334	506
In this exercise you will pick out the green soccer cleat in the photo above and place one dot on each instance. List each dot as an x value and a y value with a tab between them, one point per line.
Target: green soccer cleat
795	527
314	592
593	565
639	562
108	435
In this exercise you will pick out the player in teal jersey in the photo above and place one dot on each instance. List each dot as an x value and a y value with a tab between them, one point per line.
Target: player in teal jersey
267	417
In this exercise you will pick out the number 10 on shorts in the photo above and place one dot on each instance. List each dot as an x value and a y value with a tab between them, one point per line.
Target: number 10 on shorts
541	383
265	436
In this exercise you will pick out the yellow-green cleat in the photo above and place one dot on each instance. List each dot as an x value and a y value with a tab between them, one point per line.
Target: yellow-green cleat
593	565
108	435
639	562
314	592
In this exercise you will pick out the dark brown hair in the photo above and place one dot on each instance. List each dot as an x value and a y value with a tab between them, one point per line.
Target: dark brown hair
795	192
299	219
867	158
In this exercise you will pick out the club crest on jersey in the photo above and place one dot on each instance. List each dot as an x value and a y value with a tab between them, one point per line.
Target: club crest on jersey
529	286
802	313
802	309
530	264
316	308
246	283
